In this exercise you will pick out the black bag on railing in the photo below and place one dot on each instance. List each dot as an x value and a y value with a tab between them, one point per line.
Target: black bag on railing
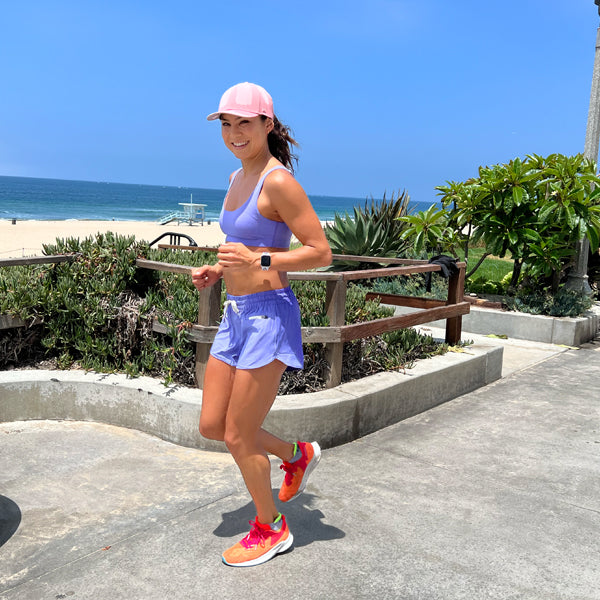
448	265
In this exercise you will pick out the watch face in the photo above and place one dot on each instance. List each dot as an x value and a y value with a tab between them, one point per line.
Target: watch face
265	260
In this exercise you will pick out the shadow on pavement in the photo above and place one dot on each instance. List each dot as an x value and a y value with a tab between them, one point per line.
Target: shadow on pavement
10	519
305	522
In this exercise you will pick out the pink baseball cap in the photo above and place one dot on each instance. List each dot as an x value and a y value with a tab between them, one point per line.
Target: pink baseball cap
244	100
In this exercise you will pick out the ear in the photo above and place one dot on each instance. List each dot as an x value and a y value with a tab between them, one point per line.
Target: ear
269	125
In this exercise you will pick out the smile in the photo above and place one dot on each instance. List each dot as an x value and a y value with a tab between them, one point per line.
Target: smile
240	144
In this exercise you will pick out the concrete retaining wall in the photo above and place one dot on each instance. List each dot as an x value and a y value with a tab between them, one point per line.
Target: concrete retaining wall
522	326
332	417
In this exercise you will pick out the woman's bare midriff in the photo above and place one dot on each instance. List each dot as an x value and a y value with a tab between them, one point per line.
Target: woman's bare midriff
240	282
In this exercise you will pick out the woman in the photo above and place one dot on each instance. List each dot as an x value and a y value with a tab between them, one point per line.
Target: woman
259	336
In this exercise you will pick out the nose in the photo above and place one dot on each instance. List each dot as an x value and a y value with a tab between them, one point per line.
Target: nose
234	129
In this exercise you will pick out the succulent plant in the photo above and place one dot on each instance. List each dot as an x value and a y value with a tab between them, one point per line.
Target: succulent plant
373	230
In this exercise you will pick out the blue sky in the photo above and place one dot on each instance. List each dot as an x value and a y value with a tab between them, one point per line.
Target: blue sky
383	95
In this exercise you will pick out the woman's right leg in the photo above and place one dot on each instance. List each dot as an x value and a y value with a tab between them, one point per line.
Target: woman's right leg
218	383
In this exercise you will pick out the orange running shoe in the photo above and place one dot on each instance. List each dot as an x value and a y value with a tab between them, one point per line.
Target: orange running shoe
260	545
296	473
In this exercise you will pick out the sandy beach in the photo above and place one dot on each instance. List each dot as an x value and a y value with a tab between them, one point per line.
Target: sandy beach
25	238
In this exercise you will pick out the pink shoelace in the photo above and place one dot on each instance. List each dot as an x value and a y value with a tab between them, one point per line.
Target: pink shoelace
256	536
290	471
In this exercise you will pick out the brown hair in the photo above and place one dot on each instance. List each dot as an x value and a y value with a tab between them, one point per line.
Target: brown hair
281	144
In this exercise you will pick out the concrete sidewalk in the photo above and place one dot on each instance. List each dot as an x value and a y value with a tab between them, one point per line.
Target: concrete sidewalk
493	495
517	354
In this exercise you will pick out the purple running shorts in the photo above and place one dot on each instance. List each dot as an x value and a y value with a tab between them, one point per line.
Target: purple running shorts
259	328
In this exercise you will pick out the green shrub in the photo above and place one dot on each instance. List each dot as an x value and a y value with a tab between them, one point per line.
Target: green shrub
98	312
20	290
481	285
535	209
565	303
431	232
412	285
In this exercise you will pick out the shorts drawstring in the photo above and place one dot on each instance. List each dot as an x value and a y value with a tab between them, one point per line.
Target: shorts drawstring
233	305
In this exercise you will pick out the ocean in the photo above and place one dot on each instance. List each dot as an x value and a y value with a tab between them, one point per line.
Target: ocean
26	198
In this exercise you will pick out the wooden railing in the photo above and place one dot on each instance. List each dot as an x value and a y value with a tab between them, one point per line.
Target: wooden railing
36	260
337	333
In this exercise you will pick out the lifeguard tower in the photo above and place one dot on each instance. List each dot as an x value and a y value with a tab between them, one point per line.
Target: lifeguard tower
192	212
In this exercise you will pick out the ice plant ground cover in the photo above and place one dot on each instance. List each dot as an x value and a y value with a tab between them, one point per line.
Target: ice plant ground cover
96	313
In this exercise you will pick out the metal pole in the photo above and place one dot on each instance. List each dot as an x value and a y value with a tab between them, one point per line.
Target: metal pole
592	134
578	277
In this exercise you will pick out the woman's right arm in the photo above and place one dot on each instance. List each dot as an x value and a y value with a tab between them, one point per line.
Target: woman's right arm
206	275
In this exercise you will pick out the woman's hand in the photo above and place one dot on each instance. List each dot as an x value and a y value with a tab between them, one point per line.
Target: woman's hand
205	276
233	255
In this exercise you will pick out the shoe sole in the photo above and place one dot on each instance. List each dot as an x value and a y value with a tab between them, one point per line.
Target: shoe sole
309	469
277	549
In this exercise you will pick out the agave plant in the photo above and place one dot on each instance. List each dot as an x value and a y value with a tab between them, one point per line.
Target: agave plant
373	230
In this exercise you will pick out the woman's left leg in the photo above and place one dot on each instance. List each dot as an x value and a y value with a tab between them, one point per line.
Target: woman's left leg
252	395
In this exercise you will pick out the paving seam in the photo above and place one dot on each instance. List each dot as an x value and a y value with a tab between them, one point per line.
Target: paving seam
583	507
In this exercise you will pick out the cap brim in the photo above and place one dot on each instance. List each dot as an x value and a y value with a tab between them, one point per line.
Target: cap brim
237	112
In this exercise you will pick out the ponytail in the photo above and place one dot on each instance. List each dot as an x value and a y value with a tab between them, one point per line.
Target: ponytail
281	144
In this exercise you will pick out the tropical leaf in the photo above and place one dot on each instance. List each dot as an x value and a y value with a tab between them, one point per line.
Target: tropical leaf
517	195
593	235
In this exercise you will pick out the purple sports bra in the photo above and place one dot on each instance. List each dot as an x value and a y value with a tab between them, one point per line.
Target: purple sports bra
247	226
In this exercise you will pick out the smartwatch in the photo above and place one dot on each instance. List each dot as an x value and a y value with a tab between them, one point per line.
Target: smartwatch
265	261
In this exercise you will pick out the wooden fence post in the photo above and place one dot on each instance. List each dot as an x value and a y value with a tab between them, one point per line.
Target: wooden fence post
335	305
209	306
456	292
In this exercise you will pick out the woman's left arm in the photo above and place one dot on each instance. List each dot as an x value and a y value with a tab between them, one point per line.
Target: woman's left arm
292	205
